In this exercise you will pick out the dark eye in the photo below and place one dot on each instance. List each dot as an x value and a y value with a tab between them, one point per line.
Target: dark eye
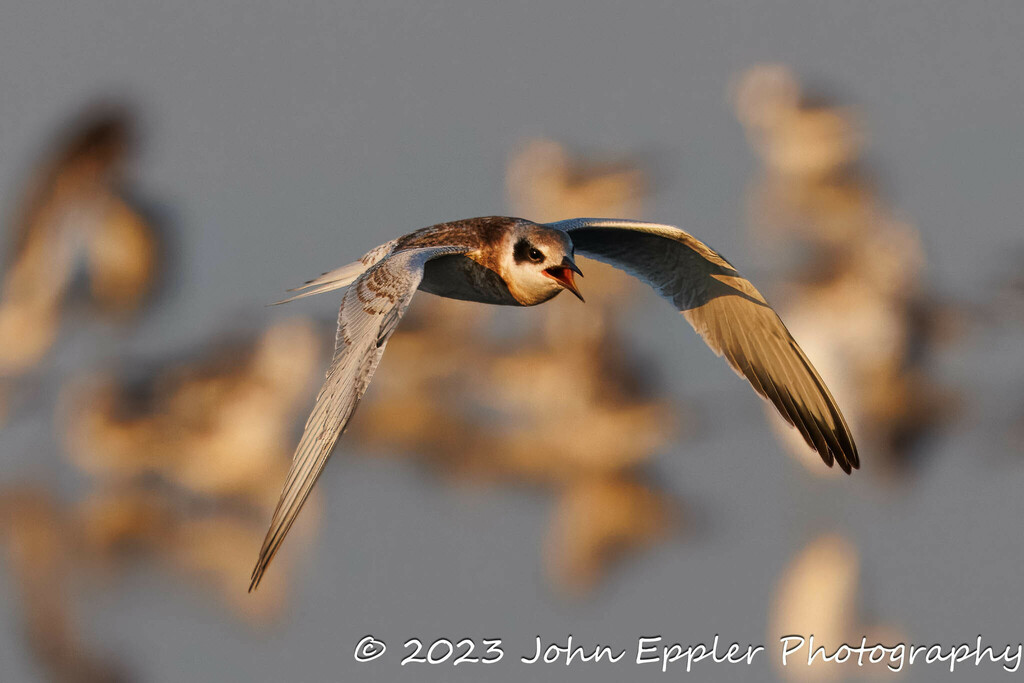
535	255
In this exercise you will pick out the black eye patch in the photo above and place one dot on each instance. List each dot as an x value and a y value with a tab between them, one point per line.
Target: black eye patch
523	251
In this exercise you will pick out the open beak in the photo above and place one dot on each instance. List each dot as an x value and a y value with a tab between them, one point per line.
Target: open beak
563	274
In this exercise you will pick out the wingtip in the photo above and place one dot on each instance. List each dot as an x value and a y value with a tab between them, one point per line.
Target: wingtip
254	579
851	459
853	463
847	459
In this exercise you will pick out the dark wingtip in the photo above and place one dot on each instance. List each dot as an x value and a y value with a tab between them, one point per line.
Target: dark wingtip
841	451
847	456
254	580
851	459
853	462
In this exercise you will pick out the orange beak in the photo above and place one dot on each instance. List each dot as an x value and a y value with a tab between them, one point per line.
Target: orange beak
562	274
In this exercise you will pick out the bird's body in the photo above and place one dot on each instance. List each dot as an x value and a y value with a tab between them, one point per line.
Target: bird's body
485	272
512	261
473	276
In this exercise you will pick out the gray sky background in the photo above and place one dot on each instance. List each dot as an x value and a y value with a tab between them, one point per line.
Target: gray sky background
288	138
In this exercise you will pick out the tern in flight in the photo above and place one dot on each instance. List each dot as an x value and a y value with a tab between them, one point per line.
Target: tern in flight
515	262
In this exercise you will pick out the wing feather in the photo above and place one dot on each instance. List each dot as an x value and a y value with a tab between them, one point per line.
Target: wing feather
731	316
369	313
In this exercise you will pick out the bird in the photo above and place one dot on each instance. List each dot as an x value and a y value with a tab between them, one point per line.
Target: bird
515	262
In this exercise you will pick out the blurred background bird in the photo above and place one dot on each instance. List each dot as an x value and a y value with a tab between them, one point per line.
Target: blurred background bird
185	462
853	285
76	212
820	593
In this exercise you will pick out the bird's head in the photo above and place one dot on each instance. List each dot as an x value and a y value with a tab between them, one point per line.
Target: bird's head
539	263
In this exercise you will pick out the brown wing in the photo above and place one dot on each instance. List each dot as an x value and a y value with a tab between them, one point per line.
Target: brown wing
732	317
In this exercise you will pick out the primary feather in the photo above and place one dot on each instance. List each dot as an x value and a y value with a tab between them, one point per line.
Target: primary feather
730	315
369	313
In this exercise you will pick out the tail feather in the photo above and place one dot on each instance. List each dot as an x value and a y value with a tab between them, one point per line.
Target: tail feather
343	276
329	281
348	272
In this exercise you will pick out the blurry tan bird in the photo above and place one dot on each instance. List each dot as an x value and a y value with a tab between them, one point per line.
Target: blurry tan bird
183	461
75	210
856	294
820	594
44	560
543	180
512	261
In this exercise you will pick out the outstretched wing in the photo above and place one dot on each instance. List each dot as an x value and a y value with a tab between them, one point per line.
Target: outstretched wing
731	316
369	313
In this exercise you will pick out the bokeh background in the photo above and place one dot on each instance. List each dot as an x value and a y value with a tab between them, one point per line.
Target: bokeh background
167	169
